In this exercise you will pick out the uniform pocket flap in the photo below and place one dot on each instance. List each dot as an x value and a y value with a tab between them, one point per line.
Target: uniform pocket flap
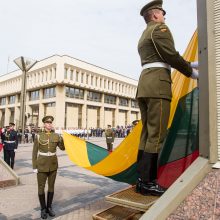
165	77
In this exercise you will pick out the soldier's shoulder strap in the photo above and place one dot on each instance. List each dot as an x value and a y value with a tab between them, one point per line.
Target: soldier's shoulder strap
162	27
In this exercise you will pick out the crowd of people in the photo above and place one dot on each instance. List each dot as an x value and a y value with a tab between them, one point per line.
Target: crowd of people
119	131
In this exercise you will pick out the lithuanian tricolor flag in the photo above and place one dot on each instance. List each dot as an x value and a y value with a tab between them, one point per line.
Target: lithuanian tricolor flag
180	147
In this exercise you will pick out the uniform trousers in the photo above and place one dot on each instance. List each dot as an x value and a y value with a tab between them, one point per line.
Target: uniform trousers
9	157
42	177
109	146
155	115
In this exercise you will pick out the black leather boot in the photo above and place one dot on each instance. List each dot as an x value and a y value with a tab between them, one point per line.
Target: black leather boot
43	206
147	166
152	188
49	204
139	185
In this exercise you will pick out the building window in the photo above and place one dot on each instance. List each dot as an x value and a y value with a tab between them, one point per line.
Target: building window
87	79
11	99
94	96
49	92
109	109
74	93
3	101
51	104
110	99
92	80
123	102
34	95
134	104
65	73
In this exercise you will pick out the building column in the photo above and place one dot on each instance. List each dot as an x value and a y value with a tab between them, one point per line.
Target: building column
116	111
102	109
17	112
129	113
60	109
17	116
28	114
60	70
84	111
7	116
41	109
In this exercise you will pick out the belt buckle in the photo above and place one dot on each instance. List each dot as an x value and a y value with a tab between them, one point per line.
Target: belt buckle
49	153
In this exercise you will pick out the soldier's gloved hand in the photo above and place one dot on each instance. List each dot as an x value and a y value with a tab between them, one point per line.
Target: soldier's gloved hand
35	171
194	65
195	74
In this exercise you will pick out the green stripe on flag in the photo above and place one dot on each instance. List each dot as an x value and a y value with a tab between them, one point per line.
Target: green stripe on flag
95	153
182	138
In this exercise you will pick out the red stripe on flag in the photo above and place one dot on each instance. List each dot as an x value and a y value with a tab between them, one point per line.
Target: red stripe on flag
168	173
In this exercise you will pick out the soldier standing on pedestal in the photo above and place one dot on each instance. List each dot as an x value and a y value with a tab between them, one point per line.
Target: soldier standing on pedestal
109	134
158	54
45	163
10	144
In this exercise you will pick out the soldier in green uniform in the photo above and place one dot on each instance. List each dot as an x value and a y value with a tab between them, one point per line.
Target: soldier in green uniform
158	54
109	134
45	163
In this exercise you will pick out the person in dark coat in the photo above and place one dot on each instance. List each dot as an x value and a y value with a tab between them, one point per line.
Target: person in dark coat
10	144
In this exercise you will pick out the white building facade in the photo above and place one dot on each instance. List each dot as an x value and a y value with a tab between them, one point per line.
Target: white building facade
76	93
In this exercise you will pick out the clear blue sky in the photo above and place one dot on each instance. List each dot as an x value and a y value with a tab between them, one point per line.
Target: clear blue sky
104	33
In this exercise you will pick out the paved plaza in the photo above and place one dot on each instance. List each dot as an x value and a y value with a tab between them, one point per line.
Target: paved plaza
79	193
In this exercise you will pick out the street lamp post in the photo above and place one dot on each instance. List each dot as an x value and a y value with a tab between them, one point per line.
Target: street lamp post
25	64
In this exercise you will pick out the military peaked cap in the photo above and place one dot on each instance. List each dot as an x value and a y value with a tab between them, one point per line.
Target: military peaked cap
156	4
48	118
11	124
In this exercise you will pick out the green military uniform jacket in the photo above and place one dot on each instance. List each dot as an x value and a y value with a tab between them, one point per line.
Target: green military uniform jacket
156	45
45	143
109	134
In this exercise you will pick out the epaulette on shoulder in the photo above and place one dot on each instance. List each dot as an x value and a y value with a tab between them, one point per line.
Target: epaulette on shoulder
163	28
